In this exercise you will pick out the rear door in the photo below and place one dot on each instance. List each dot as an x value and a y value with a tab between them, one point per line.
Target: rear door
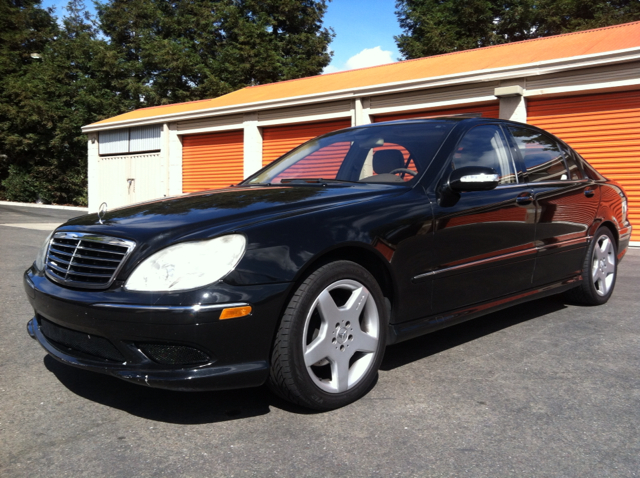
566	204
484	242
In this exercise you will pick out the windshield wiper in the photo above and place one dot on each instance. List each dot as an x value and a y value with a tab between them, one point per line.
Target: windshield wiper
312	181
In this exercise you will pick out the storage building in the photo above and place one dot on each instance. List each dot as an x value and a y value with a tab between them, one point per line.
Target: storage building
584	87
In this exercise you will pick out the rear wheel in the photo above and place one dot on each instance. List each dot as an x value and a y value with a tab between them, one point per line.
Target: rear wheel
599	270
331	339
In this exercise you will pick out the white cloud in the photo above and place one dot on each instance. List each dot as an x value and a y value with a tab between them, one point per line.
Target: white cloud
369	57
330	69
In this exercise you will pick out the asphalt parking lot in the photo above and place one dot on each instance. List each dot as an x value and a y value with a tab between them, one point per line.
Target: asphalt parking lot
539	390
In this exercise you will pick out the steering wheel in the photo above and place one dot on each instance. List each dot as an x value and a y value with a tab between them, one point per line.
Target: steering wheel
404	170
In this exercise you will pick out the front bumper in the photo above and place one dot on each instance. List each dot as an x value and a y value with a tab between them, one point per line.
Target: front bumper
232	353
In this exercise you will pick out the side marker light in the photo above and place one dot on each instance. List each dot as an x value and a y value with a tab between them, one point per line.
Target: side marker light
235	312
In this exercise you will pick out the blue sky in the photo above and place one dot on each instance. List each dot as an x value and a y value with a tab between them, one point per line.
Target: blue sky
364	31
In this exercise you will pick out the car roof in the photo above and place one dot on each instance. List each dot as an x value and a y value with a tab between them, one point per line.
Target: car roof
458	118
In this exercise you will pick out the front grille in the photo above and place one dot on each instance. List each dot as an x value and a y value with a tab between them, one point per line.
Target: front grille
173	354
69	341
88	261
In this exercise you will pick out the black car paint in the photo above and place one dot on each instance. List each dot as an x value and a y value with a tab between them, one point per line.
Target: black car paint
417	247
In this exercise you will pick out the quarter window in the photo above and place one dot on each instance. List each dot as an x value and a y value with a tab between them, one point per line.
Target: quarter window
485	146
574	170
543	156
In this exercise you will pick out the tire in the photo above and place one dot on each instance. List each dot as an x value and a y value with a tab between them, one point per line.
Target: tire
599	271
331	339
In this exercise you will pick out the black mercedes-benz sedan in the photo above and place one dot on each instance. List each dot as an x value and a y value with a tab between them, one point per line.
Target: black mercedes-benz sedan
302	274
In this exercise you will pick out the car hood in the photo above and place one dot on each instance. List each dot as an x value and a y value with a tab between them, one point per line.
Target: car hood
208	213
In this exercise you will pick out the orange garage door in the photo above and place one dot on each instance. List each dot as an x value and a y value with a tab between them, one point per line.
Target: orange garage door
212	161
605	130
488	110
280	139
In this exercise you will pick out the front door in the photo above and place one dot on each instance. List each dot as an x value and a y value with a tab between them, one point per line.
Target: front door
484	242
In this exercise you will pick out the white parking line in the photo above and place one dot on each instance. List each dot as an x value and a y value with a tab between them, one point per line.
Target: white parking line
38	226
44	206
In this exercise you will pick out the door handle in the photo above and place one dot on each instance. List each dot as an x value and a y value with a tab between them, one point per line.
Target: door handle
589	193
524	199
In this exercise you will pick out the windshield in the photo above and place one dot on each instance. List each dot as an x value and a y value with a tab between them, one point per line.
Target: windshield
394	153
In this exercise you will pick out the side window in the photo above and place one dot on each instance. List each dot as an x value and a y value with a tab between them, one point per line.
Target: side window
543	156
485	146
589	170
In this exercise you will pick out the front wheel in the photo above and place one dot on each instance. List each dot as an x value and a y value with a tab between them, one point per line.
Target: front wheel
331	339
599	270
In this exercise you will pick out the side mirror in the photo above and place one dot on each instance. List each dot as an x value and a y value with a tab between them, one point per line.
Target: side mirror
473	178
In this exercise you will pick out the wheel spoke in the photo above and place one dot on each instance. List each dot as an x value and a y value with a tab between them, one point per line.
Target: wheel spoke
340	373
606	248
598	253
317	350
327	307
608	267
351	310
363	342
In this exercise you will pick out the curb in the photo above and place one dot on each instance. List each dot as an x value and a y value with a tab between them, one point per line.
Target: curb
44	206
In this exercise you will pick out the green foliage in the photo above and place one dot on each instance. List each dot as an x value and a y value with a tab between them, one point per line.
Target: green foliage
174	51
432	27
44	103
137	53
46	183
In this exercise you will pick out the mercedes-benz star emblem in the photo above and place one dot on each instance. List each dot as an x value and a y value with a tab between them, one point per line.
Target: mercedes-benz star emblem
102	210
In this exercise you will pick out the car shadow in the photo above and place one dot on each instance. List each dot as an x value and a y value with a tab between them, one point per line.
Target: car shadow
191	408
424	346
184	408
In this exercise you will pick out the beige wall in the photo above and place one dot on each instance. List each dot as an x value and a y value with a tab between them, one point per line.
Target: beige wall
161	175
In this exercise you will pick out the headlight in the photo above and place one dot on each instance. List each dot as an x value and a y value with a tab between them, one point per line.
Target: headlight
188	265
42	253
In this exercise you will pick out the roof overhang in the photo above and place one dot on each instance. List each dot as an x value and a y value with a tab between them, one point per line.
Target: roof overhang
502	73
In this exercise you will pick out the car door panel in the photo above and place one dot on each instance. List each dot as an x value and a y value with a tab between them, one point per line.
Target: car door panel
566	203
484	247
565	212
484	239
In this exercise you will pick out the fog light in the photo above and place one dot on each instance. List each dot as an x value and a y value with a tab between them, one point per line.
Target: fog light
235	312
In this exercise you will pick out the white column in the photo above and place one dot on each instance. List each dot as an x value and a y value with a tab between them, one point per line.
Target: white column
165	154
93	179
360	112
252	144
175	161
513	105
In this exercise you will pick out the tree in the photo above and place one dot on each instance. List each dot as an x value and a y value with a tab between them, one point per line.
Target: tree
56	78
432	27
25	32
564	16
25	28
46	102
173	51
